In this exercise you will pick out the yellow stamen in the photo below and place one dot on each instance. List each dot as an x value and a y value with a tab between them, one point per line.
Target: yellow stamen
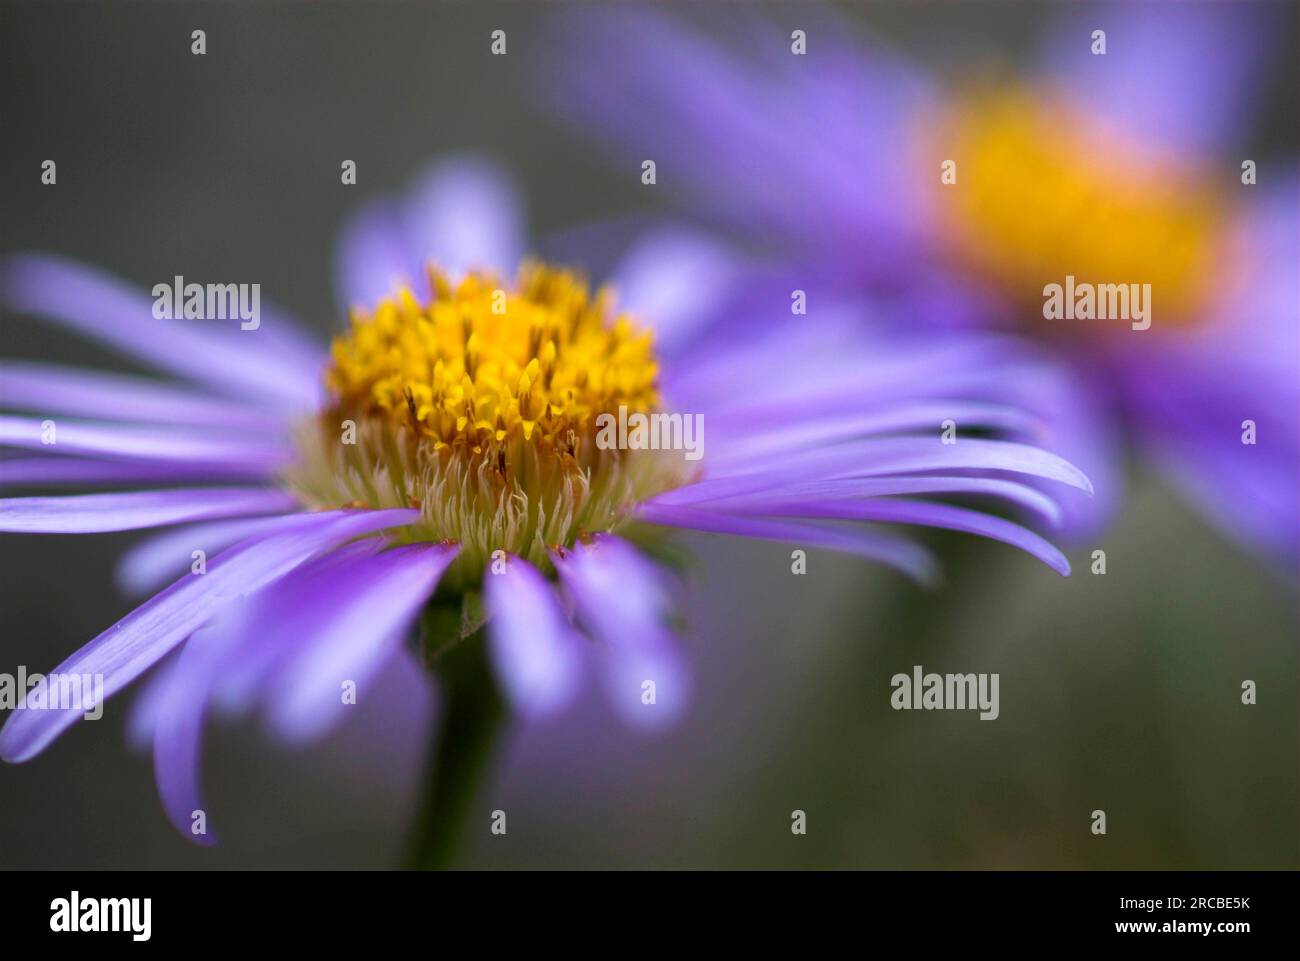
480	363
479	406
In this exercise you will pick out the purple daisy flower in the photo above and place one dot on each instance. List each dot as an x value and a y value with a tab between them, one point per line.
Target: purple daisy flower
1123	167
442	463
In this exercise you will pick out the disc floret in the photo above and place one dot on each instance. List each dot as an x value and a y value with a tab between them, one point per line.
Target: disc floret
479	405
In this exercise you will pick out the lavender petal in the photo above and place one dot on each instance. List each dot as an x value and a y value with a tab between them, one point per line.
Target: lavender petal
135	643
95	513
534	650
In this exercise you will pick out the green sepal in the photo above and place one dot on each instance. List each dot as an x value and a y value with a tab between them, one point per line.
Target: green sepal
447	620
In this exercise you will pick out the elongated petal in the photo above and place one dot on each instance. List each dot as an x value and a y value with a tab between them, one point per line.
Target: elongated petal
1190	415
465	213
649	685
911	559
536	653
744	115
845	361
87	472
161	558
741	442
92	513
372	260
50	389
146	709
177	737
1083	427
244	677
852	489
461	214
878	457
142	443
332	621
107	310
891	511
1189	401
622	598
182	701
136	642
674	280
1182	76
358	616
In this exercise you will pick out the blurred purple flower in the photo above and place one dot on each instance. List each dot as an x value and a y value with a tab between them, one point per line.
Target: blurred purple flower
1119	168
811	433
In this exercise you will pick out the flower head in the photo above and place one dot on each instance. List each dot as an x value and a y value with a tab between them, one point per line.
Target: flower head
1107	206
442	457
960	199
478	406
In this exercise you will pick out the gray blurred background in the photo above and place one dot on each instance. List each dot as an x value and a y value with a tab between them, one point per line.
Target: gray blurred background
1119	692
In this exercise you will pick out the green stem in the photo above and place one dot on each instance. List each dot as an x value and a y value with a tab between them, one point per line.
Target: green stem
460	759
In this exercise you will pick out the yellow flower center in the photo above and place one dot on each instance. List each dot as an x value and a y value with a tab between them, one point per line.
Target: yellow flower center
479	406
1045	190
481	362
